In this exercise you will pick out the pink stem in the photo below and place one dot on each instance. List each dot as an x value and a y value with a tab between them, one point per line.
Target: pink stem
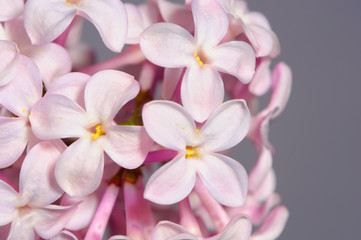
147	217
159	156
100	220
132	215
177	92
147	75
187	218
214	209
131	56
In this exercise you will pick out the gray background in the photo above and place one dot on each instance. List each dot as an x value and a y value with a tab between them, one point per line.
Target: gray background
317	138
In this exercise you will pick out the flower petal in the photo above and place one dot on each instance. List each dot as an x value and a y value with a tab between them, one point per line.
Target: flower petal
168	45
46	20
110	18
273	225
202	91
261	39
239	228
236	58
10	9
168	124
225	178
8	203
13	139
127	145
21	229
227	126
281	88
106	92
51	219
71	85
80	168
172	182
24	91
56	116
176	13
84	210
261	169
52	60
166	230
37	180
64	235
261	81
9	55
211	22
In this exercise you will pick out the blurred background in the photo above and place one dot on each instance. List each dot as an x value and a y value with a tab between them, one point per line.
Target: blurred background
318	136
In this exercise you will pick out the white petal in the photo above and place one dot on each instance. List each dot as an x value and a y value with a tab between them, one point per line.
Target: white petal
24	91
202	91
236	58
226	127
239	228
56	116
127	145
168	124
80	168
107	91
71	85
168	45
13	139
110	18
9	55
8	203
273	225
51	220
52	60
172	182
46	20
10	9
37	180
166	230
225	178
211	22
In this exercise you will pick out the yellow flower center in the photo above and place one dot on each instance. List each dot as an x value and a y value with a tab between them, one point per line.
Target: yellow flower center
192	152
96	131
69	2
200	57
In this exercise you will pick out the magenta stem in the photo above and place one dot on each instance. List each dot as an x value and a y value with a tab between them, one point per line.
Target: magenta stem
215	210
146	216
132	55
100	220
187	218
160	156
132	215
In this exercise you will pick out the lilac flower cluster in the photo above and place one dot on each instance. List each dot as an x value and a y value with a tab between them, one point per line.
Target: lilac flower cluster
89	152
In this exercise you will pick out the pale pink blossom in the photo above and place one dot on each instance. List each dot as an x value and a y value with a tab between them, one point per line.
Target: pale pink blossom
253	25
171	126
29	209
169	45
80	168
51	59
9	55
45	20
18	97
10	9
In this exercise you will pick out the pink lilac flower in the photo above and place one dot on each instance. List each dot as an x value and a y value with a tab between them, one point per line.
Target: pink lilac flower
10	9
9	55
80	168
169	45
171	126
29	209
